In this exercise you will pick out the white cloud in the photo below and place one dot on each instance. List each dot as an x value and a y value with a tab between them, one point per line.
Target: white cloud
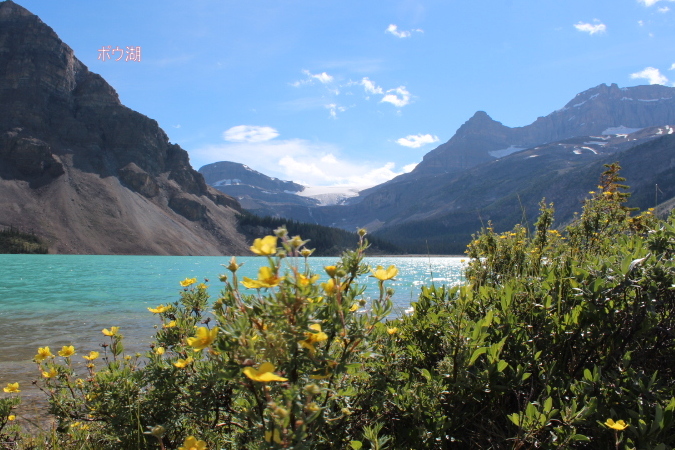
651	74
398	97
591	28
393	29
309	163
641	23
409	167
329	159
651	2
370	87
664	9
672	67
417	140
334	109
250	133
322	77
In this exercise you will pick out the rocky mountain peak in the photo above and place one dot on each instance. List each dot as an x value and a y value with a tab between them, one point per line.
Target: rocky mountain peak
8	9
100	177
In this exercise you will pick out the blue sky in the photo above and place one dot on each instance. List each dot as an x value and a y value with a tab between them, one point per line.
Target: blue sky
352	92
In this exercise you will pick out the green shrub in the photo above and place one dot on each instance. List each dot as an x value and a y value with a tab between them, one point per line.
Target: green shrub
558	339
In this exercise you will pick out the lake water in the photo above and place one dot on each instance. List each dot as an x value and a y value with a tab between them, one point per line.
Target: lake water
58	300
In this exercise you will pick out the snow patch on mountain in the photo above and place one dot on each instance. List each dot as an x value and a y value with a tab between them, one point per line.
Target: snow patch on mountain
331	195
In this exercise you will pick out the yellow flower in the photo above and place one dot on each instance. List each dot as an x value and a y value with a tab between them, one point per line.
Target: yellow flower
43	353
188	281
67	351
51	373
329	287
111	332
265	246
264	374
383	275
11	417
191	443
619	425
202	286
266	279
203	338
159	351
591	192
330	270
181	363
392	330
92	356
276	436
312	338
159	309
354	307
304	281
170	324
12	388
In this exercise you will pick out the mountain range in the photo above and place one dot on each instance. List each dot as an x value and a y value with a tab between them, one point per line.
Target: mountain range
490	172
91	176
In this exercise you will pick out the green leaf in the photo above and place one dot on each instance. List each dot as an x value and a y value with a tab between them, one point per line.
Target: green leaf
588	375
579	437
548	404
356	445
476	354
501	365
426	374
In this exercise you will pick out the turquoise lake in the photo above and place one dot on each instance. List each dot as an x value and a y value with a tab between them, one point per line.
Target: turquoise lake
58	300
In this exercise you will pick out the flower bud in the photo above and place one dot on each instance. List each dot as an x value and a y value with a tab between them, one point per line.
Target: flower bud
281	232
157	431
312	389
362	232
233	266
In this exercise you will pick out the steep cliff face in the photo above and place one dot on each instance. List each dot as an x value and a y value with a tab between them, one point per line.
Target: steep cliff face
87	173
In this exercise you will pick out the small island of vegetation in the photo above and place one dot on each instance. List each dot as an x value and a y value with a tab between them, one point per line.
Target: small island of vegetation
13	240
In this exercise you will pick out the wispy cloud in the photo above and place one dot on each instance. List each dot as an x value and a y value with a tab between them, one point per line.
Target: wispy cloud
651	74
651	2
393	29
333	109
323	78
663	9
250	133
398	97
309	163
591	28
417	140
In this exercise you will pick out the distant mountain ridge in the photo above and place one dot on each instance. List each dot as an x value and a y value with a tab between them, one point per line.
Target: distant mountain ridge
589	113
488	171
87	173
